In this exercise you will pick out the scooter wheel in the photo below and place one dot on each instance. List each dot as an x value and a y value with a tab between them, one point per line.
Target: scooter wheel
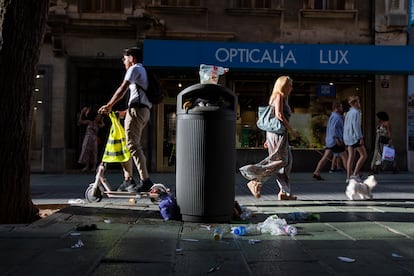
93	195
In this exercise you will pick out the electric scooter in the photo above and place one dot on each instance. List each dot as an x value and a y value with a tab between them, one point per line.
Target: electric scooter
101	187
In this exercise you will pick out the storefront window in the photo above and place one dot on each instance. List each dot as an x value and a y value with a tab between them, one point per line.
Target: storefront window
311	103
251	94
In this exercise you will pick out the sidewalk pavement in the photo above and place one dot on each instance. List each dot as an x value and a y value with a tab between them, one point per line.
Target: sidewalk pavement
373	237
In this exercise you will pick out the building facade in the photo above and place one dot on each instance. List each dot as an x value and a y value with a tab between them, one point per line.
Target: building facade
331	48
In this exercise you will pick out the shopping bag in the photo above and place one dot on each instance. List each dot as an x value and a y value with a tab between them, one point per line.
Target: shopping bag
388	153
116	149
267	120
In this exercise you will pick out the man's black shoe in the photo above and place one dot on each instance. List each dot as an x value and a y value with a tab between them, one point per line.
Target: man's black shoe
133	187
146	186
125	184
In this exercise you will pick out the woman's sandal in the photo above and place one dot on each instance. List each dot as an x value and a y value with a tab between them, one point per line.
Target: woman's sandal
255	187
285	196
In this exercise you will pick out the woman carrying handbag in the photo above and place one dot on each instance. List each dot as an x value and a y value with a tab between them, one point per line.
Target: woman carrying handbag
382	138
279	160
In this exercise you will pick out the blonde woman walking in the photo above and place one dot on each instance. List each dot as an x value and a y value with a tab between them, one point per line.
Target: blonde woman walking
279	160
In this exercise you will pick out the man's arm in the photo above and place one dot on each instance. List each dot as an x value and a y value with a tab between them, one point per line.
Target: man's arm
118	95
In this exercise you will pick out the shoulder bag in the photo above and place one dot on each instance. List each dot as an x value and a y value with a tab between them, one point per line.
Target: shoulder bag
267	120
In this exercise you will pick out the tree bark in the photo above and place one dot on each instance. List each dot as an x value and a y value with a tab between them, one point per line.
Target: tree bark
23	26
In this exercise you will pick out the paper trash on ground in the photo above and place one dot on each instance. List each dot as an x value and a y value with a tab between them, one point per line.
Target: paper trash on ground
346	259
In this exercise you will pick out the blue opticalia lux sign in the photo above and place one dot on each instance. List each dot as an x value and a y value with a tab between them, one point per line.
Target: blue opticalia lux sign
272	56
411	12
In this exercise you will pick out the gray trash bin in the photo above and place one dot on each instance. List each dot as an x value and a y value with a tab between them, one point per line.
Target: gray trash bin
206	153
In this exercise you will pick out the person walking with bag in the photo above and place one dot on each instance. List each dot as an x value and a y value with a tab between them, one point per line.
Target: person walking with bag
333	139
382	138
354	139
136	118
279	160
89	152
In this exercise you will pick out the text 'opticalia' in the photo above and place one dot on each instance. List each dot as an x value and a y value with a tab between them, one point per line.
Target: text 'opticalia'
280	56
256	55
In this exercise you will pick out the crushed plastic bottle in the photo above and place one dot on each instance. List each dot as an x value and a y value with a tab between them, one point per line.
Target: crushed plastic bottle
217	234
211	73
252	229
291	230
239	230
244	230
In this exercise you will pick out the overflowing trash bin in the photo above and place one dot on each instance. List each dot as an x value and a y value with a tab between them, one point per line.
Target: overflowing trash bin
206	153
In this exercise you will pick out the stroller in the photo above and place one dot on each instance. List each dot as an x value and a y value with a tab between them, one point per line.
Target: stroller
116	151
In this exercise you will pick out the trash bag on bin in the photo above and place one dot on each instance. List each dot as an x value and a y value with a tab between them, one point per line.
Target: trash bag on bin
211	73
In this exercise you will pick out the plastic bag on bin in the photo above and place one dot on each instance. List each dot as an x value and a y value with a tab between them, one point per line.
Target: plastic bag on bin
211	73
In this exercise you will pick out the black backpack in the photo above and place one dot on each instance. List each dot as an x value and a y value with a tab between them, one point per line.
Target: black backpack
154	91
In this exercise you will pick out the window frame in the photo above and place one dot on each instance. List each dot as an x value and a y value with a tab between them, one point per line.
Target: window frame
100	6
177	3
395	6
256	4
337	5
252	4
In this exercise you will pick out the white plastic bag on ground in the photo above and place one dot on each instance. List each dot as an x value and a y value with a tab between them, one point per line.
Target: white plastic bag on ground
273	225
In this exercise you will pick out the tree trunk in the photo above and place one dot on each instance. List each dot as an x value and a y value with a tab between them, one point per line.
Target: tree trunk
23	26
